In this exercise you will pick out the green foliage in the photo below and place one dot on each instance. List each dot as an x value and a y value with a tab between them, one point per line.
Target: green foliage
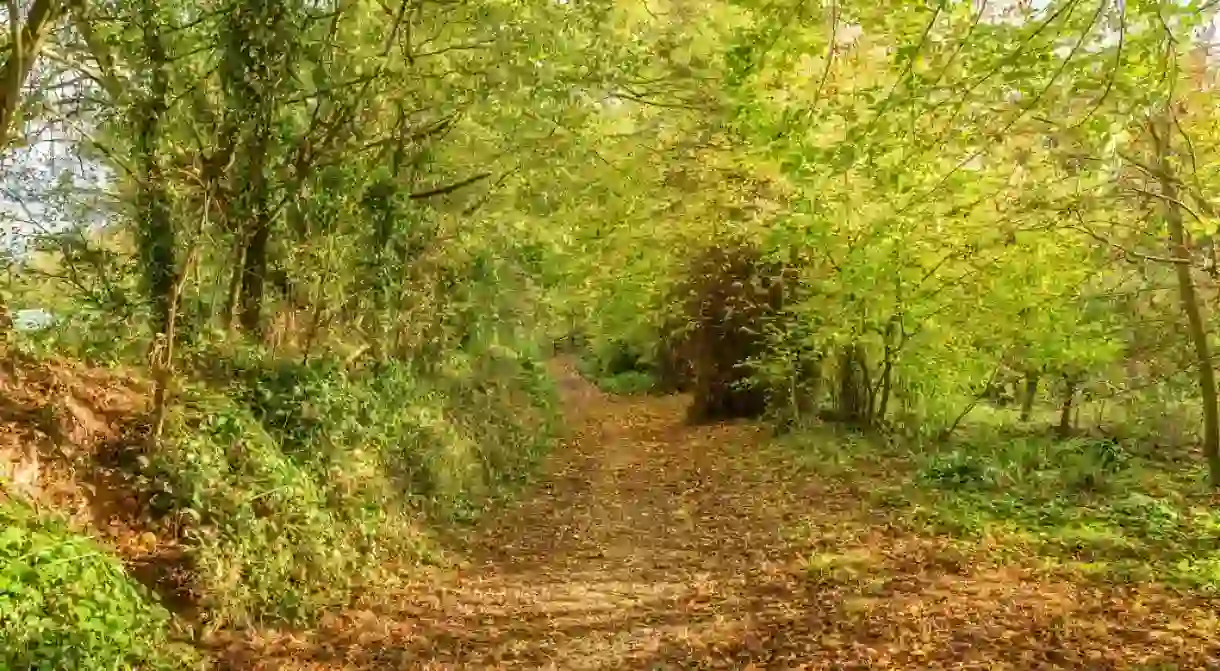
619	368
1098	507
66	603
922	169
959	469
301	481
627	383
951	193
996	462
263	540
98	336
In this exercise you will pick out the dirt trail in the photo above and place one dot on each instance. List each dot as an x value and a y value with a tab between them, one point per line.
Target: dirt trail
650	544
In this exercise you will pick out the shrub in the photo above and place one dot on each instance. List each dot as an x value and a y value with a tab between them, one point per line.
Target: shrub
624	384
620	368
263	541
729	297
299	483
960	470
65	603
1096	505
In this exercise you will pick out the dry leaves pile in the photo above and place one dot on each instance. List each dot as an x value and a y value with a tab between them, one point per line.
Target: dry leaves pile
650	544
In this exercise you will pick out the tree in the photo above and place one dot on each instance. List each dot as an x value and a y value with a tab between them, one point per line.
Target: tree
26	40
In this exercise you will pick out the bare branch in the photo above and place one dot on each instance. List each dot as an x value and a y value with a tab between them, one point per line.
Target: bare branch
449	188
1130	254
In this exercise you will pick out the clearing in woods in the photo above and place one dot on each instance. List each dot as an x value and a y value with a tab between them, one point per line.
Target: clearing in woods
651	544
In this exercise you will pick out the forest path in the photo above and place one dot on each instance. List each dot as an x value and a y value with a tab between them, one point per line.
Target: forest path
650	544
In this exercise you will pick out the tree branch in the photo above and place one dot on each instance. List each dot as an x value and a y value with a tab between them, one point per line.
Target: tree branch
1130	254
43	16
449	188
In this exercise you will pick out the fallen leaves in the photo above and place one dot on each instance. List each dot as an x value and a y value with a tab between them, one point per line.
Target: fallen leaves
652	544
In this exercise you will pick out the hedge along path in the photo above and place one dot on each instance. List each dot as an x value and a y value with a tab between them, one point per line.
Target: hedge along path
652	544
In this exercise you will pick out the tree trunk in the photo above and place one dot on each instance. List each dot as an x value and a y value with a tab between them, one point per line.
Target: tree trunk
256	220
252	67
6	327
254	276
379	205
852	399
1196	324
1065	409
234	290
887	368
156	238
957	421
809	383
866	385
1031	394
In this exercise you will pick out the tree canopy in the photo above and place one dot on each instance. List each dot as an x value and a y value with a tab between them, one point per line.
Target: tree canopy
890	216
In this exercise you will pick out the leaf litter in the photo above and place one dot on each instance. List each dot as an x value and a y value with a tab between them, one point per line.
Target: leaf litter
650	544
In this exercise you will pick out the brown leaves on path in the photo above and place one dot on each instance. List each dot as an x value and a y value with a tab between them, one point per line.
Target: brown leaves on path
649	544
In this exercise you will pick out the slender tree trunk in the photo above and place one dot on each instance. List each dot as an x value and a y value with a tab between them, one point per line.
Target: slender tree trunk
162	361
807	385
234	290
852	401
316	320
887	369
957	421
1065	409
380	208
252	66
257	218
1031	394
1196	323
866	385
254	276
6	328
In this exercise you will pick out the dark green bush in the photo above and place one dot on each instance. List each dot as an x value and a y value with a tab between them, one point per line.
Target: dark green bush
619	368
629	383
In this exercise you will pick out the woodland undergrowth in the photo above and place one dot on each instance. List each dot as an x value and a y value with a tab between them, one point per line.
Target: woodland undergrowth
279	489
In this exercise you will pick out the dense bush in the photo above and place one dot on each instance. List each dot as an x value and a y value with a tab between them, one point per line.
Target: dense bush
619	367
302	482
730	297
66	603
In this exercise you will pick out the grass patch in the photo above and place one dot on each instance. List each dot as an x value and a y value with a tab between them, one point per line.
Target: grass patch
1094	507
66	603
630	383
843	454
